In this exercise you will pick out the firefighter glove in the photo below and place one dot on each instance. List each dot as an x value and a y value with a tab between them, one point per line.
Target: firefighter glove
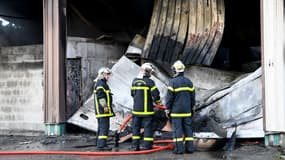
106	110
167	113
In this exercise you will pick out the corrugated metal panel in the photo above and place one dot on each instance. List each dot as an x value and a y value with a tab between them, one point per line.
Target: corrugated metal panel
272	17
190	30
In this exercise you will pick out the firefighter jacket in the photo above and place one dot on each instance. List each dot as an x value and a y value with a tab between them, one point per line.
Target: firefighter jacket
102	91
144	92
180	96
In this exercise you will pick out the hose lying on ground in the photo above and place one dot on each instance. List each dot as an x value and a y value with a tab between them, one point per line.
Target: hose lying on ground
156	148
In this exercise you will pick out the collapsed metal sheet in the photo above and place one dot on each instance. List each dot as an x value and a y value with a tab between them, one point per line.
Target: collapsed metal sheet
208	80
241	85
236	105
251	129
123	72
231	99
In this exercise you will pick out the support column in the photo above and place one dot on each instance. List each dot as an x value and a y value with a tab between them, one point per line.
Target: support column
54	20
273	64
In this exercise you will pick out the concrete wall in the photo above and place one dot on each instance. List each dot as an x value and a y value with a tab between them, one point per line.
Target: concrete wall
21	78
21	90
93	55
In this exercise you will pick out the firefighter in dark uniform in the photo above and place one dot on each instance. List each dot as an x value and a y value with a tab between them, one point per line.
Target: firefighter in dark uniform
144	93
179	102
103	107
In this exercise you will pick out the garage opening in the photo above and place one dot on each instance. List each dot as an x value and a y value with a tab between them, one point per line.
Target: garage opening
240	46
108	27
98	34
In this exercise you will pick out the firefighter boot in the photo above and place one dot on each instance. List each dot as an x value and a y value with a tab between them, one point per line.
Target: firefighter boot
105	148
135	148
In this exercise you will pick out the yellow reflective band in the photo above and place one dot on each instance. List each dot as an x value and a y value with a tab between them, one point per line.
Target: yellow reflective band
171	89
103	137
145	100
136	137
140	81
107	92
142	113
148	139
184	89
177	139
181	89
145	89
139	88
180	114
104	115
189	139
158	101
153	88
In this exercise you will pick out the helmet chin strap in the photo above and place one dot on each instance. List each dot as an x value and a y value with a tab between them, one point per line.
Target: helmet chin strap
175	74
174	71
147	73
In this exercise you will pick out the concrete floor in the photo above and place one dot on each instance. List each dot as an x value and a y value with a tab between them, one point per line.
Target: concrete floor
245	150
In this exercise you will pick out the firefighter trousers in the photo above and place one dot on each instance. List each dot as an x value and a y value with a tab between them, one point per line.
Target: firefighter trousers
103	129
182	126
146	123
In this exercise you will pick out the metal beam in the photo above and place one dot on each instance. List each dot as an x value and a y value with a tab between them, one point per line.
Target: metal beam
54	57
273	64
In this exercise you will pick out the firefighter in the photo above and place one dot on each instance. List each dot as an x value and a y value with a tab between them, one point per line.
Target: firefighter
179	102
103	107
144	93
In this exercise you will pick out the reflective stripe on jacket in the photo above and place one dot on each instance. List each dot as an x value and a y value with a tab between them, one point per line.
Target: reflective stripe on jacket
144	92
180	96
102	90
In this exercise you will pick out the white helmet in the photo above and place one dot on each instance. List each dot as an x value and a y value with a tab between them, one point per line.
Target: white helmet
178	67
147	69
102	72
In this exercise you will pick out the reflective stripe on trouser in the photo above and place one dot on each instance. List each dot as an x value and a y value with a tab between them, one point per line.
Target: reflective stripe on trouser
146	123
182	126
103	129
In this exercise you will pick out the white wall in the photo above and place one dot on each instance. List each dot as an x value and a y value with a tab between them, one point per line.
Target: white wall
273	59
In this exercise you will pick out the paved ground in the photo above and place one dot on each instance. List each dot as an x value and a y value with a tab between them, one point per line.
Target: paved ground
244	149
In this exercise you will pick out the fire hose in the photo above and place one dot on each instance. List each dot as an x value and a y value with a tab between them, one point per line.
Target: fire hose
156	148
